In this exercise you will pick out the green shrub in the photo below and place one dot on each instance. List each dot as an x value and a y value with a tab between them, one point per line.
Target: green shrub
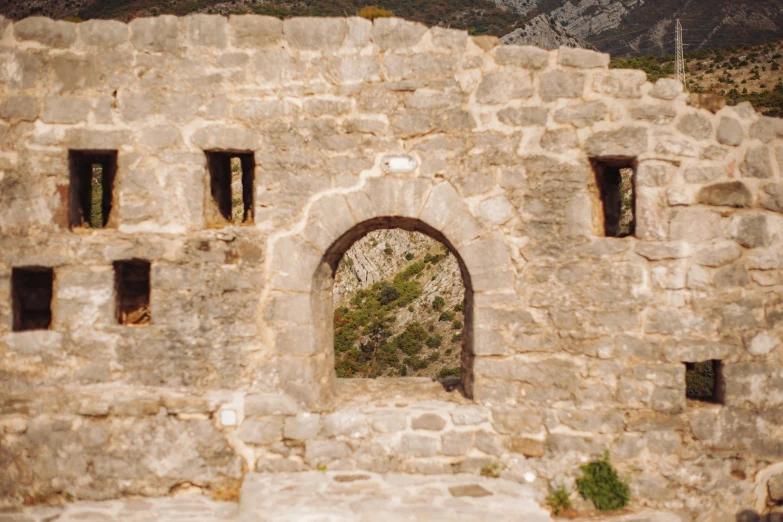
457	324
449	372
388	251
459	307
457	337
371	12
433	341
558	501
388	293
446	316
601	484
438	303
408	256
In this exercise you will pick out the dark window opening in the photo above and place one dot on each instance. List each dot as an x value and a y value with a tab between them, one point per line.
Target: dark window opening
91	189
31	296
616	190
231	187
704	381
132	286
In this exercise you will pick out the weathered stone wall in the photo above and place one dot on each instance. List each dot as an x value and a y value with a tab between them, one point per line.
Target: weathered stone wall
579	340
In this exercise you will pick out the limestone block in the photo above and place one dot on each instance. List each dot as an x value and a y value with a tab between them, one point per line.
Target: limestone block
583	58
486	254
294	308
417	446
396	34
582	115
524	56
696	351
328	219
695	225
731	194
45	31
763	343
318	452
255	31
34	342
619	83
294	262
730	131
315	33
220	137
303	426
346	423
104	33
65	109
705	174
772	196
766	129
496	210
19	106
750	231
501	87
757	164
205	30
155	35
775	488
660	251
423	65
296	339
428	421
469	415
19	69
666	89
88	139
88	291
654	173
559	140
718	254
456	443
265	404
696	126
561	84
658	114
388	421
731	276
674	321
393	197
257	112
626	142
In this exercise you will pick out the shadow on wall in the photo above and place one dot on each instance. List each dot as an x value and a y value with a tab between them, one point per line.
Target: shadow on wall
750	515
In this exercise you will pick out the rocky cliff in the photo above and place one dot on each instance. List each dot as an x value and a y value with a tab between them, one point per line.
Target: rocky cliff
540	31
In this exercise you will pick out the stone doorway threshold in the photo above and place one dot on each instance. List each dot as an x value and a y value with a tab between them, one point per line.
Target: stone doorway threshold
330	497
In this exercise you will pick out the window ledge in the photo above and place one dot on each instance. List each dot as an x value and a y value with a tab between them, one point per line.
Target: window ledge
395	390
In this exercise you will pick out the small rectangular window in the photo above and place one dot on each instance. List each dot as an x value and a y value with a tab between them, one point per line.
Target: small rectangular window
91	187
615	182
31	296
132	286
231	188
704	381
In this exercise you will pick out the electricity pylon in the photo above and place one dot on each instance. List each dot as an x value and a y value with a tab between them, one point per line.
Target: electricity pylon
679	62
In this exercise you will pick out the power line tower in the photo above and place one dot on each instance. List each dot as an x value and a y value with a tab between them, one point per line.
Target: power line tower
679	62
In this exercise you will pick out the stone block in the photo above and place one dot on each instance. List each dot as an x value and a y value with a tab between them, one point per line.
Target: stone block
389	421
303	426
730	277
515	420
559	140
561	84
396	34
524	116
328	219
757	164
695	225
417	446
775	488
626	142
315	33
65	109
583	58
582	115
654	173
763	343
500	87
730	131
469	415
265	404
660	251
528	446
155	35
750	231
45	31
220	137
89	139
525	56
620	83
658	114
255	31
319	452
456	443
696	126
666	89
772	196
267	430
718	254
205	30
696	351
731	194
104	33
346	423
766	129
705	174
428	421
443	38
19	107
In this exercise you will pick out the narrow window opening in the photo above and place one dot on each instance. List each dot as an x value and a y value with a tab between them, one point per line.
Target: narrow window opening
402	309
704	381
132	286
31	296
616	191
91	189
231	188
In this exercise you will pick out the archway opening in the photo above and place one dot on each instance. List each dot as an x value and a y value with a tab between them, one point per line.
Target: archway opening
400	304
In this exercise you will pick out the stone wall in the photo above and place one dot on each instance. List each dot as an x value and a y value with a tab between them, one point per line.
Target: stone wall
577	341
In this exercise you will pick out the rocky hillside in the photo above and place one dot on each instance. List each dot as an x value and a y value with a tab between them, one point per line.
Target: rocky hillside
542	32
398	299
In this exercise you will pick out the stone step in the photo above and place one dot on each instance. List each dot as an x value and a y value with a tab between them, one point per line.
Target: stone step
358	496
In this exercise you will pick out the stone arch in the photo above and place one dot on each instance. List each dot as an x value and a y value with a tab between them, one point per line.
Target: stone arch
299	306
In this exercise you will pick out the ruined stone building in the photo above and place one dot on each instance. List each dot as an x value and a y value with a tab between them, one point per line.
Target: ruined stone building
163	343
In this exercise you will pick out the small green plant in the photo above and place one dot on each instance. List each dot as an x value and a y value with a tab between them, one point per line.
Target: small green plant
558	501
371	12
321	467
457	324
438	303
491	470
408	256
601	484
